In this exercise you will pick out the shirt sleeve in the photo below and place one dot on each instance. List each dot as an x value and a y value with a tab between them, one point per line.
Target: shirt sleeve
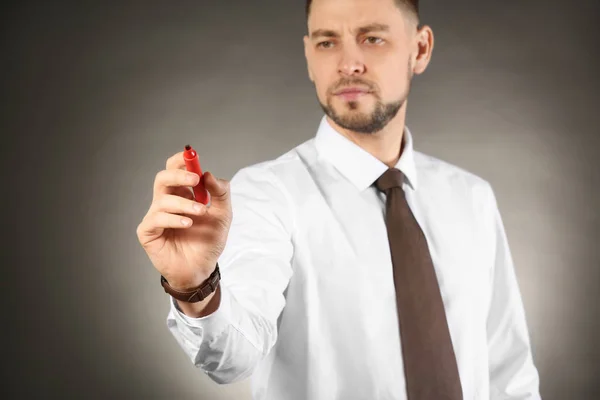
513	375
255	271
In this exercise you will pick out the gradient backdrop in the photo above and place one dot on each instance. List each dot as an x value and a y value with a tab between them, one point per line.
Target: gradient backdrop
97	95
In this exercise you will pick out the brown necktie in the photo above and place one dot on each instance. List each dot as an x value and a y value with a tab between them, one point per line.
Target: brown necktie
429	361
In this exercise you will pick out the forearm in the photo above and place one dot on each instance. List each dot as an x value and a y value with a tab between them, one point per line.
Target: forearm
228	334
228	344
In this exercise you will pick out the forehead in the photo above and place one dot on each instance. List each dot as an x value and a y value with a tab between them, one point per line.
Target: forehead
347	15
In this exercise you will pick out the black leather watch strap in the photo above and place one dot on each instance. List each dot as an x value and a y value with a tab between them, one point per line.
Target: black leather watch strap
194	295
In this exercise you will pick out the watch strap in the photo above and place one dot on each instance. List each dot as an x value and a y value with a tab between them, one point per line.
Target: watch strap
197	294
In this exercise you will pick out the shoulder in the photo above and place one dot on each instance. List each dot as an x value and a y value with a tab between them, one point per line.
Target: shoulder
279	171
268	187
437	173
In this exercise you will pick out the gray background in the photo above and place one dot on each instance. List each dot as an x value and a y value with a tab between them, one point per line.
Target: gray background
96	96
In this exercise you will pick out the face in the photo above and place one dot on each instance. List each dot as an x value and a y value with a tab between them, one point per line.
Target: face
361	56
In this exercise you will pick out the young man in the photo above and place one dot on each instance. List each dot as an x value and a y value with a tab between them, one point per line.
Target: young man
353	266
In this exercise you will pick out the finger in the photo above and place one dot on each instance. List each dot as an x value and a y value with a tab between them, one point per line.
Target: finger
154	224
177	205
176	161
218	188
168	179
185	192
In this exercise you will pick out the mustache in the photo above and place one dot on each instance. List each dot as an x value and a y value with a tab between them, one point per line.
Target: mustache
351	82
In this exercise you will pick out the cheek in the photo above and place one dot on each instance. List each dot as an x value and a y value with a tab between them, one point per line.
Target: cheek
323	83
395	80
325	71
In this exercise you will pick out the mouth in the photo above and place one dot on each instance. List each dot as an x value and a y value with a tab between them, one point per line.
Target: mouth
352	93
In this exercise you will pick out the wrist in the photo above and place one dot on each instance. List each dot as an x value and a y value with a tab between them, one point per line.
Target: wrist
194	294
202	308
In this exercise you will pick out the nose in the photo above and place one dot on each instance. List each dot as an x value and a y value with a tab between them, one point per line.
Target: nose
351	62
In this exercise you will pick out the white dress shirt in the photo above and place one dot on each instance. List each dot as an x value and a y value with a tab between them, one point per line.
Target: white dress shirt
308	306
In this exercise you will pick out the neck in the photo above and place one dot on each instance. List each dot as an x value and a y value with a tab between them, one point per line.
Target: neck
385	145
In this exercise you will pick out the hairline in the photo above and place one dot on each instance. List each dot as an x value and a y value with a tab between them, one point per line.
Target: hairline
399	3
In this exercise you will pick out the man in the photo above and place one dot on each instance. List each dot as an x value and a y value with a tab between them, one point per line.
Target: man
353	266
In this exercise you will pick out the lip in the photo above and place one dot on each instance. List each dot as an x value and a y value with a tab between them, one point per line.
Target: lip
350	94
351	90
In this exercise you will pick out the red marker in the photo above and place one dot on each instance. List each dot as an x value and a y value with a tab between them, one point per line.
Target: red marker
192	164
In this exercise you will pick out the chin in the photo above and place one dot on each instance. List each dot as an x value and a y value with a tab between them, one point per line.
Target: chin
354	108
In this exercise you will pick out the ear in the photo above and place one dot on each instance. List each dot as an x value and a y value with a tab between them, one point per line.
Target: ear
422	49
307	53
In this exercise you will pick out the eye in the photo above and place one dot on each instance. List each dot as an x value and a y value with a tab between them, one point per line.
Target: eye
326	44
374	40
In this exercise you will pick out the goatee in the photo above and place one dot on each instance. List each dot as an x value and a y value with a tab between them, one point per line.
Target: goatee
361	122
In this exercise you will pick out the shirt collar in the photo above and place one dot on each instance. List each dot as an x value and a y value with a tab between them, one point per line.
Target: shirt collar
355	163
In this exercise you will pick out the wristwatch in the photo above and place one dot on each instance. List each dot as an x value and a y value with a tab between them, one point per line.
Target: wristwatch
194	295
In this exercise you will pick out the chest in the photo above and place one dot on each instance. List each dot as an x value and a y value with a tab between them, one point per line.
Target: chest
343	251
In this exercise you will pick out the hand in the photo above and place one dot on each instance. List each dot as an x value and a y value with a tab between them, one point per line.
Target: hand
185	254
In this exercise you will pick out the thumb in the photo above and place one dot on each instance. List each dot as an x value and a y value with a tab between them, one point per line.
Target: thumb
218	188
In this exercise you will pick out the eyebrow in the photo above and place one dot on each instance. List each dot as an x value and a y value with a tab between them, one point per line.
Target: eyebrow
375	27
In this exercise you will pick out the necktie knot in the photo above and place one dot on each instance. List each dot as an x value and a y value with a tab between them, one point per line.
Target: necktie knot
391	178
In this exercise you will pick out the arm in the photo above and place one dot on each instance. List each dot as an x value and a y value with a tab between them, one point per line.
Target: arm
228	343
512	372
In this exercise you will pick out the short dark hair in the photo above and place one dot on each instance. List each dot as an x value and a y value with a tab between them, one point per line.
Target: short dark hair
410	5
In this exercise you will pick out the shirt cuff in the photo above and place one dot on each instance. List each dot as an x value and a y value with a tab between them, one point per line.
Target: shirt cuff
212	324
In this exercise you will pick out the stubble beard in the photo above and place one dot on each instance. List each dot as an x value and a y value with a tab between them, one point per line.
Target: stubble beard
361	122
